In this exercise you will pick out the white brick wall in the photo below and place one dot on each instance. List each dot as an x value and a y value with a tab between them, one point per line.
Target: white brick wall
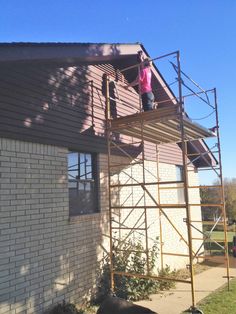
44	257
173	242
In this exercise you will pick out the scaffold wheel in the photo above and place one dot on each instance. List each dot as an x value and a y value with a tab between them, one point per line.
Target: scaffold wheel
196	311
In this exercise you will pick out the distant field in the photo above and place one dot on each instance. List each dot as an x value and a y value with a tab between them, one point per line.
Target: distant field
218	236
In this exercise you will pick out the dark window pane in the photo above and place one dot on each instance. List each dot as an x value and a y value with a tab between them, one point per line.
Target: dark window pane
179	173
180	190
83	191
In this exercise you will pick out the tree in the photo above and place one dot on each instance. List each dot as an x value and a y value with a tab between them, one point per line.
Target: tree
211	195
230	198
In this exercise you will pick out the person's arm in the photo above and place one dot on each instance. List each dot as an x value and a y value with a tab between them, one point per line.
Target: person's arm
134	83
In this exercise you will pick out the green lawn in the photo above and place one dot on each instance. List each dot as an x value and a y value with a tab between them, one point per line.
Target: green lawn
221	301
219	237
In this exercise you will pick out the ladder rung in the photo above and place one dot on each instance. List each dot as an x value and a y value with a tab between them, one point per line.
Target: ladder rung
171	187
132	184
122	273
133	207
146	183
173	205
124	144
175	254
205	222
125	165
170	182
151	206
129	251
204	169
127	228
207	205
209	257
205	187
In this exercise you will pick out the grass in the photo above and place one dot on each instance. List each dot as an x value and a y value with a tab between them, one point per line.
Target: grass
220	235
221	301
213	248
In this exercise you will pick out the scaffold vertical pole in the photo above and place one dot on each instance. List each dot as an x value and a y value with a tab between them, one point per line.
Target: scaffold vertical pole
108	116
144	199
159	210
222	190
185	177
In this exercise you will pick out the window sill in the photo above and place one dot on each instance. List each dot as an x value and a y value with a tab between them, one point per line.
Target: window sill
84	217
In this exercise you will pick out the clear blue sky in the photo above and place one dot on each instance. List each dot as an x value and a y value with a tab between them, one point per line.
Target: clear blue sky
203	31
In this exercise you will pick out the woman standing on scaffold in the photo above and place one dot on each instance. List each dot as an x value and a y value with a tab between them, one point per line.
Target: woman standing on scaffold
144	81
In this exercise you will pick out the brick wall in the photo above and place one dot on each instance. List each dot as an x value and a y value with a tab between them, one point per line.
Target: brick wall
44	257
173	218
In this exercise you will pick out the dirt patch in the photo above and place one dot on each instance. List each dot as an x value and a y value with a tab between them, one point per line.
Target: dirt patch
198	268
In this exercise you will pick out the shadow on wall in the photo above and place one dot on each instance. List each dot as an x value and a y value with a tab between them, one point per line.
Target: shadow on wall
44	265
52	104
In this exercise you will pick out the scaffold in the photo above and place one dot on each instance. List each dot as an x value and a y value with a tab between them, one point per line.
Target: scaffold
135	191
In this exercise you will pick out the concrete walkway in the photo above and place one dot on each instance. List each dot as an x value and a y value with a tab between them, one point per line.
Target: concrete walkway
175	301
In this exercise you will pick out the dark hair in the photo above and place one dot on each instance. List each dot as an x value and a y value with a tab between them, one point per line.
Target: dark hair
146	62
139	56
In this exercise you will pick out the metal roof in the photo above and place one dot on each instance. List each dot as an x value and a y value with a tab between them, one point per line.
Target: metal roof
68	52
159	126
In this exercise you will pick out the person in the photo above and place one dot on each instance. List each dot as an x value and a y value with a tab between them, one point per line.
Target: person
144	81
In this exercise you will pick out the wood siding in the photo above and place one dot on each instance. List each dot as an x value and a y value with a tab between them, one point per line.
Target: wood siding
66	107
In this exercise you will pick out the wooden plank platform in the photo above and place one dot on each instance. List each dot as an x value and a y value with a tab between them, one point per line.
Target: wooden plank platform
161	125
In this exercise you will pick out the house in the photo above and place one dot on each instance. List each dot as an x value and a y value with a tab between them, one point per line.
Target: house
54	169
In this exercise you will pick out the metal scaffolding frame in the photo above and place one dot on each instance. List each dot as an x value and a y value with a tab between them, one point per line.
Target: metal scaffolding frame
163	125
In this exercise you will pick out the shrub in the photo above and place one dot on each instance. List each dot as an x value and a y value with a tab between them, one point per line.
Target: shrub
65	308
166	284
131	259
135	288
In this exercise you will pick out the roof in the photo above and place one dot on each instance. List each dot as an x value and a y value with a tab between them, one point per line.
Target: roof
70	53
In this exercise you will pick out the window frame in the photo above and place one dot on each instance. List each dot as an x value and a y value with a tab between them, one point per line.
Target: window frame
179	170
94	178
179	173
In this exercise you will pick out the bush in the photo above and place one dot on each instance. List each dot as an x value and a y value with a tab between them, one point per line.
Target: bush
166	284
134	288
134	262
65	308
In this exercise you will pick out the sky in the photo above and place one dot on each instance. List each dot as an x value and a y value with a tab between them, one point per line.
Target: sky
203	31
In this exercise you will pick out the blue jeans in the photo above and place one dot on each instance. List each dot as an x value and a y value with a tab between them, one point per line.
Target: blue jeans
147	101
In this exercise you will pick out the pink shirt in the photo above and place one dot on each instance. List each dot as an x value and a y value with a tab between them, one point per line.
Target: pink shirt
145	77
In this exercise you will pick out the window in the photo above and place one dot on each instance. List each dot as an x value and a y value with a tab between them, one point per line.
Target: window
180	190
179	173
83	183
